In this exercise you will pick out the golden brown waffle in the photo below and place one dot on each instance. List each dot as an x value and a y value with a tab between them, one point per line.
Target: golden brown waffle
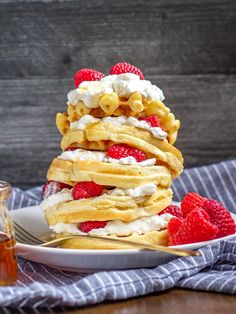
112	105
153	237
108	207
116	175
101	135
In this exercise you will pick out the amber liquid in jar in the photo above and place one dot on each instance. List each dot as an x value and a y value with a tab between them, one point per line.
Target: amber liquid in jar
8	260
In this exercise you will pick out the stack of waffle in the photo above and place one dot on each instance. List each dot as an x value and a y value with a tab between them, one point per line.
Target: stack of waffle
114	175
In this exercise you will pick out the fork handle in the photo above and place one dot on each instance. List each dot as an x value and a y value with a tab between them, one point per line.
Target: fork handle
161	248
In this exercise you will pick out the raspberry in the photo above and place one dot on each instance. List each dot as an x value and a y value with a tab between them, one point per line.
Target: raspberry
191	201
70	148
118	151
152	121
172	228
52	187
195	228
86	189
87	75
125	67
220	217
89	225
173	210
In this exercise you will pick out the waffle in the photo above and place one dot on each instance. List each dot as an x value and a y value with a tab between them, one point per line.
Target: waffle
118	180
101	135
153	237
108	174
108	207
112	105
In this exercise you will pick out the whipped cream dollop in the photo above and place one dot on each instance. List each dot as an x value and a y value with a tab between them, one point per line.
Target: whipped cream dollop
142	124
65	195
115	120
81	154
86	120
62	196
90	92
130	160
83	122
120	228
143	190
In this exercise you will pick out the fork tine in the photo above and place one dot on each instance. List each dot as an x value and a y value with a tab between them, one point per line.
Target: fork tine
25	234
22	239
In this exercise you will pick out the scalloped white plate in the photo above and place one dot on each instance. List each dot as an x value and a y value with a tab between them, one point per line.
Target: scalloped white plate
87	261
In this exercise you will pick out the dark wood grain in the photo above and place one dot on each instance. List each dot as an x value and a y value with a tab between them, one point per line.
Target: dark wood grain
205	104
54	38
175	301
186	47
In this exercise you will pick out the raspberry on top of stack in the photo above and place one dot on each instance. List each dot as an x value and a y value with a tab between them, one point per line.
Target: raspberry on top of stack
117	163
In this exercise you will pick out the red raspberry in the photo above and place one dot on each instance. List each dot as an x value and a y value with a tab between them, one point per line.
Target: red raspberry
87	75
70	148
125	67
220	217
86	189
118	151
52	187
89	225
172	228
173	210
191	201
195	228
152	121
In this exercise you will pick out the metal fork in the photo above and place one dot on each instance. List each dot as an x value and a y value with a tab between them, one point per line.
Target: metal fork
24	237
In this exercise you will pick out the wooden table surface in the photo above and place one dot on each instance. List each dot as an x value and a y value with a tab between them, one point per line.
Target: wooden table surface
176	301
173	301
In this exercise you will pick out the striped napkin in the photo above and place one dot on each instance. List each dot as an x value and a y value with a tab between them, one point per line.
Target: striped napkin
215	270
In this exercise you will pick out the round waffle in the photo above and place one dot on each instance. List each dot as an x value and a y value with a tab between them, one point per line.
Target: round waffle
101	135
113	105
153	237
107	207
108	174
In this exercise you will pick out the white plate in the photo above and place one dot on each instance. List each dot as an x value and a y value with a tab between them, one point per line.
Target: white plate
32	219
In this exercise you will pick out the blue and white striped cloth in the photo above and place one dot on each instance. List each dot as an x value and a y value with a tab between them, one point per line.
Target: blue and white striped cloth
215	270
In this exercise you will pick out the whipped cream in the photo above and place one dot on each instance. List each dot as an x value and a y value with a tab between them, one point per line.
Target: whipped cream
121	120
83	122
81	154
142	124
88	119
143	190
130	160
120	228
115	120
63	196
90	92
123	85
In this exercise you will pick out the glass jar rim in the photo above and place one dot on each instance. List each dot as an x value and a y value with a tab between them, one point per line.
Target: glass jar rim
5	189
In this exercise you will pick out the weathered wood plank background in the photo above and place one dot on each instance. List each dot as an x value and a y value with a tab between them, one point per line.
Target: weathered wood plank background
187	48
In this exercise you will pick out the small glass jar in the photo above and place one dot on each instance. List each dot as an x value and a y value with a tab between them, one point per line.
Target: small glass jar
8	258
